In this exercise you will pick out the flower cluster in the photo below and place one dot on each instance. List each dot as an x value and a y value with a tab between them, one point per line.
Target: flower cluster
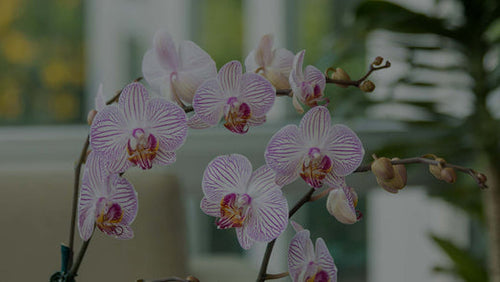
142	130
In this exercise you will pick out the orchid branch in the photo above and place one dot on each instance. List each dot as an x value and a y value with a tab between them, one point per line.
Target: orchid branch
480	178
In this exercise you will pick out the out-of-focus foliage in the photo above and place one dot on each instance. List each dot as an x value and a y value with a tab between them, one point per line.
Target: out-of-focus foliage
470	137
41	61
465	265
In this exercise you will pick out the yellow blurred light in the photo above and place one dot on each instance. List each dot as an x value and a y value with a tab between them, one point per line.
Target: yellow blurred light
63	106
17	48
8	12
56	73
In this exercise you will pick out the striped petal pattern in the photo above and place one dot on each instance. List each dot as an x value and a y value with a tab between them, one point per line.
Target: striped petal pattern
306	262
98	186
243	100
250	202
138	130
315	150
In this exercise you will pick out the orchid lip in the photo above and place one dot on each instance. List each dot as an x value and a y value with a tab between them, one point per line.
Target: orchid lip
109	216
315	167
142	148
237	116
234	209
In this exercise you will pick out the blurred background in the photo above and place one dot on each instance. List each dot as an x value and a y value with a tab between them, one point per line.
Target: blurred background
441	95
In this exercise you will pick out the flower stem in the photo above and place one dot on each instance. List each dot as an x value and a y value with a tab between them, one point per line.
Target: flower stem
269	249
76	185
71	275
477	176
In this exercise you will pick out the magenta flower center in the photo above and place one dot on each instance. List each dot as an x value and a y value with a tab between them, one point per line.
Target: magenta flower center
108	218
142	148
319	276
237	115
315	167
313	94
233	210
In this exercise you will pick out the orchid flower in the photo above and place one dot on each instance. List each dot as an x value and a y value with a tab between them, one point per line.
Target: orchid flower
307	86
242	99
176	71
106	200
315	150
309	264
273	64
341	203
139	130
250	202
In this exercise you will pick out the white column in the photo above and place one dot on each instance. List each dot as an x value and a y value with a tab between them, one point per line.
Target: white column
399	246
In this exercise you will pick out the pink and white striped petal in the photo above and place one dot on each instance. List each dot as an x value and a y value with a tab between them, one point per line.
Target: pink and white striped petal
258	92
109	132
133	101
229	78
196	123
315	77
164	158
285	151
300	253
245	241
315	126
270	216
325	260
167	122
210	208
124	195
226	174
345	149
208	103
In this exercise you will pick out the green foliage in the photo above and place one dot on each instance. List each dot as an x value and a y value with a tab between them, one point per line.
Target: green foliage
464	263
390	16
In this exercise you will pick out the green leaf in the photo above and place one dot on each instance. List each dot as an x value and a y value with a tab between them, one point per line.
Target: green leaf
465	265
385	15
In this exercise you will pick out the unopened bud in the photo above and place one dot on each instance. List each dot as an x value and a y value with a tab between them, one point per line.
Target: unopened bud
443	173
436	169
340	74
378	60
367	86
91	116
448	174
481	177
341	204
383	169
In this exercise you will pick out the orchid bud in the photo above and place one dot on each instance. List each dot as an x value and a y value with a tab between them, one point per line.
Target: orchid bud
340	74
382	168
448	174
481	177
341	203
378	60
91	116
390	177
367	86
436	169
